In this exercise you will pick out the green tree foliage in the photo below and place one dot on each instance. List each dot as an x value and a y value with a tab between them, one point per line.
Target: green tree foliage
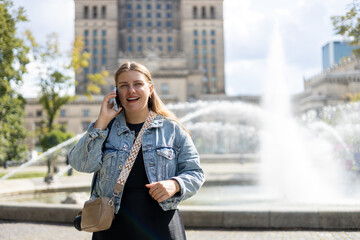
51	97
13	60
55	87
79	57
349	25
352	97
55	77
79	61
54	137
48	139
55	80
12	132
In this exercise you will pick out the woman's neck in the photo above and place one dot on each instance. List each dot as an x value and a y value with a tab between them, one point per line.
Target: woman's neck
136	117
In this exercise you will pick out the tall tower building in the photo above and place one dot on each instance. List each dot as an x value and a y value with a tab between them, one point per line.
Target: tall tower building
334	51
96	21
180	41
149	27
203	41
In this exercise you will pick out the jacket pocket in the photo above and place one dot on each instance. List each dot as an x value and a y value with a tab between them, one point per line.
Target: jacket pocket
167	153
166	162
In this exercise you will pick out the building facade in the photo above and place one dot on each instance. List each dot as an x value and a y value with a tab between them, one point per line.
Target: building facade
180	41
97	23
334	51
330	87
74	116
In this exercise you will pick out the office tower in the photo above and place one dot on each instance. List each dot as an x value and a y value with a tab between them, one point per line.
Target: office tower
96	22
180	41
203	41
334	51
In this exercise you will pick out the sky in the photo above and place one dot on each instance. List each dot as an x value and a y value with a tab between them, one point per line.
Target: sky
304	26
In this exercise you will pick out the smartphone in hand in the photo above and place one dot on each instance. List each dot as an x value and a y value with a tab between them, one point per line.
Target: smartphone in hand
115	101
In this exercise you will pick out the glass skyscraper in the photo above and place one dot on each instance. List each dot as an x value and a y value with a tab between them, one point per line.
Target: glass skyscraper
334	51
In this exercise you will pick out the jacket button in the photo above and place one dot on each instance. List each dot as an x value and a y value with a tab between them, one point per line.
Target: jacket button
120	166
127	135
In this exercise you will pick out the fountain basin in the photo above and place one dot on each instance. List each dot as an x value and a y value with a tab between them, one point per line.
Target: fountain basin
250	210
263	217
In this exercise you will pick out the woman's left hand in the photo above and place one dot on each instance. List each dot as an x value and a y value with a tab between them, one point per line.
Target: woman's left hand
160	191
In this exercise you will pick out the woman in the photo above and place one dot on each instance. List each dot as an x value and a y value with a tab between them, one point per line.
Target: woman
167	168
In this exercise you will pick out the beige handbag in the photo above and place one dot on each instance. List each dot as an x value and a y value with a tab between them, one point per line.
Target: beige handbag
98	214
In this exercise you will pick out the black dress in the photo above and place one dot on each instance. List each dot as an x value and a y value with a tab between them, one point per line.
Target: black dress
140	217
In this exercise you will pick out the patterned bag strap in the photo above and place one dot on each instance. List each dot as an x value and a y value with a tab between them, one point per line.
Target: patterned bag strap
120	182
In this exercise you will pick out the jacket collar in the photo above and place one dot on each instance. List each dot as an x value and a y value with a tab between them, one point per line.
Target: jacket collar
121	127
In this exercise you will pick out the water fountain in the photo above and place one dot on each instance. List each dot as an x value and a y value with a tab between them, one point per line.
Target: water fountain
304	160
296	163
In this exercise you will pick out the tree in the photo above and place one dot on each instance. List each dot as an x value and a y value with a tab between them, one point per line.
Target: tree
352	97
55	137
47	141
13	60
80	61
349	26
55	83
56	80
51	98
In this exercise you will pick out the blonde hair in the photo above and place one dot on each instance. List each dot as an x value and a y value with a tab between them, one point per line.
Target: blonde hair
154	102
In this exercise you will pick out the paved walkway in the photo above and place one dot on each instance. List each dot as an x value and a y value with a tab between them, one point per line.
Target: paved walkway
40	231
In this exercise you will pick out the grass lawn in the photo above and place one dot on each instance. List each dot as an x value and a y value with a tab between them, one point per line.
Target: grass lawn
26	175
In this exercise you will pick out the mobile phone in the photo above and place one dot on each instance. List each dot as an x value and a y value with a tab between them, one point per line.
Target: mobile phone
115	101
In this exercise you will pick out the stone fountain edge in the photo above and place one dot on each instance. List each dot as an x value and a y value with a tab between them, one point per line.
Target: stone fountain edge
206	216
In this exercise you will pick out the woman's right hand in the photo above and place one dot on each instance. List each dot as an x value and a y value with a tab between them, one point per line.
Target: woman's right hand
106	112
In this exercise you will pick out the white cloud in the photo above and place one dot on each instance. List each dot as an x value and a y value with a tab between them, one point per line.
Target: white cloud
242	76
300	3
243	30
46	17
239	20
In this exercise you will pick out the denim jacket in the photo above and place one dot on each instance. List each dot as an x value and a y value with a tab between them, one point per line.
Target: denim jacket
168	152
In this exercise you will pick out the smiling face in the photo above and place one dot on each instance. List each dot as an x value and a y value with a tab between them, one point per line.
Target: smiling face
134	91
